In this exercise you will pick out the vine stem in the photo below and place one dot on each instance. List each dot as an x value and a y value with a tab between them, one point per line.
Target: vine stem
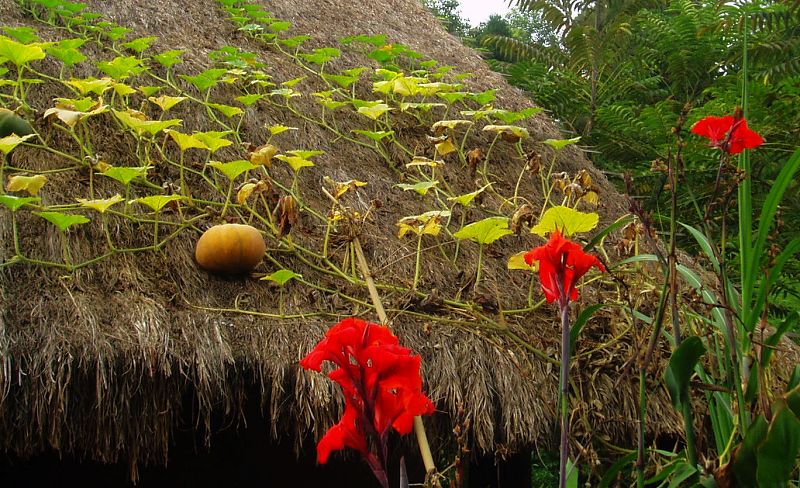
419	427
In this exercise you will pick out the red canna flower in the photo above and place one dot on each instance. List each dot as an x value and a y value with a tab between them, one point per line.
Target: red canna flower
561	264
728	133
382	385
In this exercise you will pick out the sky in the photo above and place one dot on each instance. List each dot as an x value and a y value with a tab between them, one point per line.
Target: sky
478	11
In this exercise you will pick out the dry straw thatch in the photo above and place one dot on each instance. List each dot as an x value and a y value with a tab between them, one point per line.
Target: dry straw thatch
100	362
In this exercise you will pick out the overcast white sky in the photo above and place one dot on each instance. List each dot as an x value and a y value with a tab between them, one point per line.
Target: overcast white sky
478	11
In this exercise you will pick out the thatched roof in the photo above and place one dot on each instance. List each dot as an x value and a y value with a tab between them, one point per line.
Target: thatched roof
98	361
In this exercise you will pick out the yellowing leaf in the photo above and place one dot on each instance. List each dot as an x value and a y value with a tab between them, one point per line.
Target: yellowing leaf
511	133
214	140
123	90
429	223
186	141
141	125
101	205
30	184
91	85
445	147
244	192
591	198
263	155
8	143
157	202
279	129
166	102
568	220
340	188
374	111
296	162
441	125
423	161
71	117
517	261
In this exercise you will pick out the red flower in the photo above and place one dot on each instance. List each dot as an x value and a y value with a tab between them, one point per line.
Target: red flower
561	264
728	133
381	382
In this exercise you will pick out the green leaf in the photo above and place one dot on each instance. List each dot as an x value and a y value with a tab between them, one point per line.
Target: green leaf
375	135
342	80
25	35
620	223
610	477
511	117
67	51
584	317
794	380
157	202
141	44
467	198
294	42
126	174
169	58
771	343
122	67
18	53
63	221
744	463
248	100
206	79
560	144
377	40
422	187
321	55
294	81
452	97
226	110
280	26
485	231
233	168
15	203
777	455
214	140
572	474
282	276
484	97
681	367
568	220
306	153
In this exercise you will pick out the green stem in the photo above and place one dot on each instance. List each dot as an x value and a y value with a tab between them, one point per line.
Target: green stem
417	263
480	263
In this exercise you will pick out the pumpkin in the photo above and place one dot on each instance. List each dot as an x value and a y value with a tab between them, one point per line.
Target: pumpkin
230	249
